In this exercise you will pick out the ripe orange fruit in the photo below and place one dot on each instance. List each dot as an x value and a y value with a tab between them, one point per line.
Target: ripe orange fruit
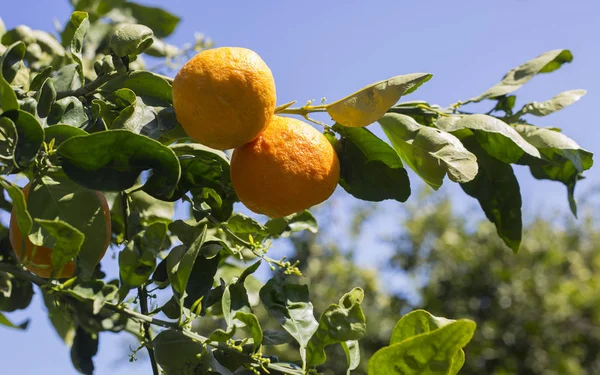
40	262
290	167
224	97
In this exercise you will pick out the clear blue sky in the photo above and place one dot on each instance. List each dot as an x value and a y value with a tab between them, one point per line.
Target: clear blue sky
331	48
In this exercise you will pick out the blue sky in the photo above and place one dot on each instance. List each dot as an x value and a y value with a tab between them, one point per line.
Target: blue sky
332	48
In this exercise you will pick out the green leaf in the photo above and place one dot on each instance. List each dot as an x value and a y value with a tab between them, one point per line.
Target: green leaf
251	322
46	98
130	40
19	204
8	98
142	83
64	80
429	152
290	305
497	190
99	161
68	241
428	353
555	104
564	159
40	78
517	77
55	197
30	136
48	43
202	168
159	20
140	117
73	35
496	137
418	322
15	293
338	323
85	347
235	297
60	319
138	260
276	337
162	49
505	103
61	132
201	280
244	227
6	322
177	353
8	142
284	226
352	351
218	335
370	103
11	61
96	291
181	263
68	111
369	168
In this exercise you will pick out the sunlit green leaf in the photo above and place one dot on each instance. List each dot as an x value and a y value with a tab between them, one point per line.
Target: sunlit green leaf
287	225
429	152
557	103
67	244
130	40
370	103
369	168
180	263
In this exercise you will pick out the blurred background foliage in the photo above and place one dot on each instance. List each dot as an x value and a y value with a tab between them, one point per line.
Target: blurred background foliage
536	311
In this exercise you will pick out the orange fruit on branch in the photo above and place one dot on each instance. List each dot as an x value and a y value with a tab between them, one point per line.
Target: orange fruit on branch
290	167
38	259
224	97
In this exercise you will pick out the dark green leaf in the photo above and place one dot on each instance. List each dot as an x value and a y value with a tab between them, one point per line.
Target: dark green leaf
497	190
19	203
96	291
370	103
72	204
8	142
15	293
61	132
496	137
251	322
505	103
130	40
427	353
99	161
159	20
138	260
201	280
30	136
46	98
429	152
235	297
68	111
564	160
517	77
8	98
59	317
555	104
142	83
85	347
73	34
177	353
293	223
5	322
370	169
338	323
290	305
181	263
11	61
64	79
276	337
67	242
40	78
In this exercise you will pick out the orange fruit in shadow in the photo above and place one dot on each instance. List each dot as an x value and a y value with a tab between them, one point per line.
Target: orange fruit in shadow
38	259
224	97
290	167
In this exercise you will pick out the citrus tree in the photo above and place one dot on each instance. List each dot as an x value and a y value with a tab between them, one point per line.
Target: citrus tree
107	148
